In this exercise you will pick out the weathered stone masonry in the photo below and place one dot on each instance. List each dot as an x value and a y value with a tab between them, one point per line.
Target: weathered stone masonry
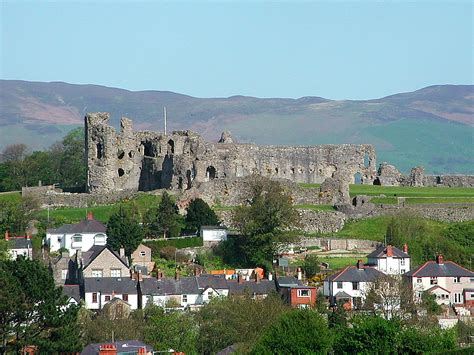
144	161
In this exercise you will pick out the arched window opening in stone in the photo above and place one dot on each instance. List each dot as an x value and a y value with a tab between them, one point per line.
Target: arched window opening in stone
292	170
100	151
188	179
211	173
170	147
121	172
439	180
276	170
180	183
357	178
148	149
366	160
120	154
377	181
131	154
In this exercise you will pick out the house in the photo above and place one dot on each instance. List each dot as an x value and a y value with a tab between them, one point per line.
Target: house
295	293
141	260
73	293
258	288
100	290
130	347
117	308
390	260
213	234
350	284
64	269
19	246
449	282
101	261
77	237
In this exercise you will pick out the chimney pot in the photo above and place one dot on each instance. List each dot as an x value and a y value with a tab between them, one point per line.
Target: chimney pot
240	279
7	235
90	216
389	250
440	259
270	276
360	264
122	252
405	248
299	274
176	274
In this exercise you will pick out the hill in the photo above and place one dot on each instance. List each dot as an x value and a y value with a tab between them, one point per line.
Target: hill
432	126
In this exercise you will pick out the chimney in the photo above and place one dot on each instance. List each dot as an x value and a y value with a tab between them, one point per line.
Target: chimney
7	235
122	252
257	278
300	274
107	349
439	259
159	274
176	274
140	276
240	279
360	264
389	250
270	276
405	248
90	216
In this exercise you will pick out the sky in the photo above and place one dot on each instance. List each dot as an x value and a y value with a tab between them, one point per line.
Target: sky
337	50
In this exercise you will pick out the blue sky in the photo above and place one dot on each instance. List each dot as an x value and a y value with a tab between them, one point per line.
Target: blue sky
337	50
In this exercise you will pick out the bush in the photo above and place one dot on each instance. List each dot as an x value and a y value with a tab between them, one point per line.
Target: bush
157	245
168	253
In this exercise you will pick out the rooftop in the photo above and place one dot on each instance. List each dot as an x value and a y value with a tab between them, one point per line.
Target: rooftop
443	269
382	252
110	285
355	274
88	225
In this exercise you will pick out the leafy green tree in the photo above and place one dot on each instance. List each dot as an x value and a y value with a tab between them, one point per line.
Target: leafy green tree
33	311
428	302
16	214
200	214
265	222
236	320
311	265
296	332
123	231
175	330
163	221
337	316
414	340
72	164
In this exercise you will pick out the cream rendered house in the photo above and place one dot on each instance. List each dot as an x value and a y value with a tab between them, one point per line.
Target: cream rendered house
390	260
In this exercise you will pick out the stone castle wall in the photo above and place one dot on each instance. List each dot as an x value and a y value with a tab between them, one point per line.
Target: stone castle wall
143	161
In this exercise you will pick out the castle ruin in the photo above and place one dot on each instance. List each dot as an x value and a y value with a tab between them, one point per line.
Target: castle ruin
144	161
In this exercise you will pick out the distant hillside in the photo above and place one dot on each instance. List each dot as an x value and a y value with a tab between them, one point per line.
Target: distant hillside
433	127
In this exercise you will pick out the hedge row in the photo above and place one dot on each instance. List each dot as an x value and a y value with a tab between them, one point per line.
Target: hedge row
156	245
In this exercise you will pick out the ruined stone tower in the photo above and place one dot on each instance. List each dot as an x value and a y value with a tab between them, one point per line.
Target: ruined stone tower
143	161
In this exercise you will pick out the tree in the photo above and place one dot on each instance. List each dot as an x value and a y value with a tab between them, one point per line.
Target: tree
296	332
236	321
14	153
200	214
163	221
33	311
16	214
265	222
311	265
72	163
174	330
124	232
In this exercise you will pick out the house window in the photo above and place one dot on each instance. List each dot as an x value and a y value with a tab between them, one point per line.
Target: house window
433	280
185	299
402	261
76	241
94	297
63	274
304	293
99	239
419	280
59	239
355	285
402	271
143	254
125	297
97	272
115	273
209	295
457	298
339	284
457	280
303	306
107	298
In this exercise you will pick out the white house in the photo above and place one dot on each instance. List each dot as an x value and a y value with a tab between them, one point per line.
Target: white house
18	246
449	282
80	236
350	284
390	260
213	234
99	291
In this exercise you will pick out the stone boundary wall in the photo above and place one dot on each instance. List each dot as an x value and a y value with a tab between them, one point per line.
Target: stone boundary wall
82	200
449	180
341	244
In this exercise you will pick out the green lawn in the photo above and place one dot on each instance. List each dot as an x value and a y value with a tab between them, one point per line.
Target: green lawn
339	263
10	196
422	200
399	191
102	213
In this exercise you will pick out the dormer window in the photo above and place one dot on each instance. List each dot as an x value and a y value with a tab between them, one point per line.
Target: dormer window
402	261
76	241
433	280
99	239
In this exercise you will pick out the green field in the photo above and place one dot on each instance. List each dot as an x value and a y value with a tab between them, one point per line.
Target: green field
339	263
10	196
102	213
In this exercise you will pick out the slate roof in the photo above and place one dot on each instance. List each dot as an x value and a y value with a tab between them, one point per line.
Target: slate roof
437	286
342	294
122	347
21	243
433	269
84	226
72	291
353	274
169	286
288	281
381	252
89	256
263	287
215	281
110	284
